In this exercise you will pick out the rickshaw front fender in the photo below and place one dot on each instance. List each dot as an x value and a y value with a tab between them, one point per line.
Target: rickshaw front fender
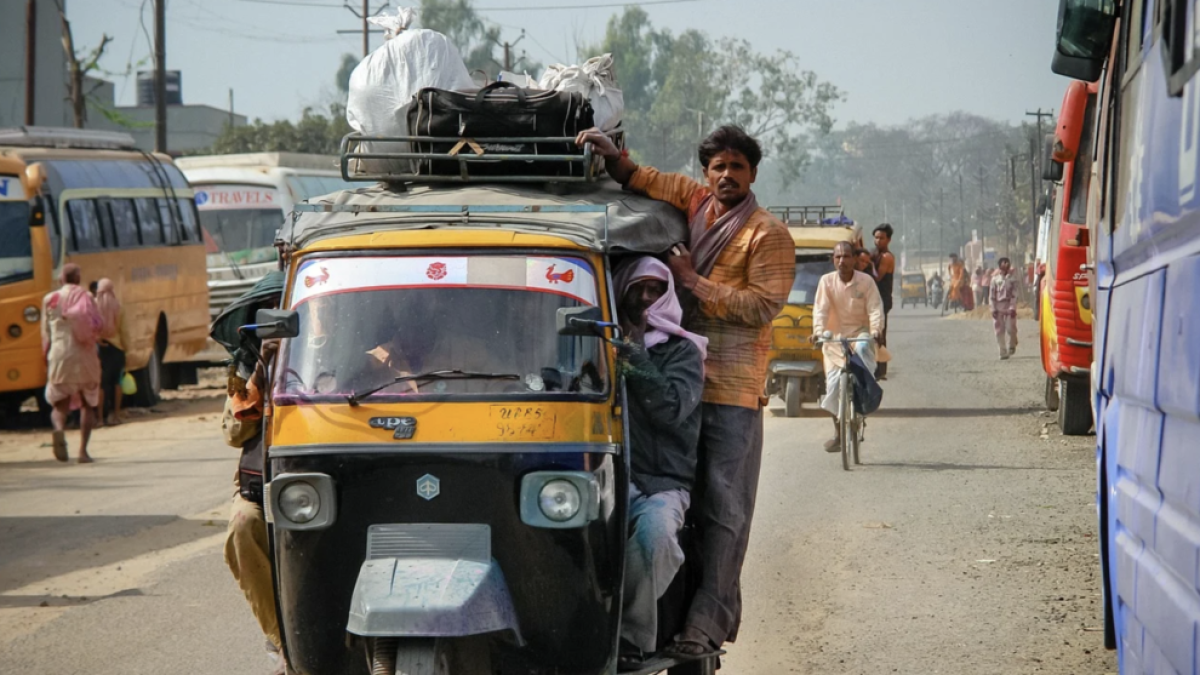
431	597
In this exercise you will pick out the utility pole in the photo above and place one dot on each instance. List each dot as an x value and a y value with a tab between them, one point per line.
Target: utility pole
231	107
941	221
962	218
30	59
508	64
1039	115
366	26
1033	184
160	75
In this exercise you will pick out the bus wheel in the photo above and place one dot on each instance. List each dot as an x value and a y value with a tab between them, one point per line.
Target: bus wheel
1074	408
149	381
1051	394
792	397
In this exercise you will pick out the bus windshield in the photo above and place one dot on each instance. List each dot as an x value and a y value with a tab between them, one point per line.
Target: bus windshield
240	220
16	248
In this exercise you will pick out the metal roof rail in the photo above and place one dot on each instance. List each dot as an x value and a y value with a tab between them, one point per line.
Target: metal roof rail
810	215
66	137
360	165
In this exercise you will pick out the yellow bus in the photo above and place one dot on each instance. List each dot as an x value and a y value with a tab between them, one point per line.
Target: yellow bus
92	198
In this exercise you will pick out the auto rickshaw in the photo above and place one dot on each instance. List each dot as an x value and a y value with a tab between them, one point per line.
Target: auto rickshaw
797	370
913	290
448	469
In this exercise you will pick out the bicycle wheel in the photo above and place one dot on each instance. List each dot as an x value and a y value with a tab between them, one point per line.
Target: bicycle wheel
846	420
858	438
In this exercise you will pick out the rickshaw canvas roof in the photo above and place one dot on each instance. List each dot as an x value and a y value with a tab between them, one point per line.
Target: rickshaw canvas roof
821	237
599	217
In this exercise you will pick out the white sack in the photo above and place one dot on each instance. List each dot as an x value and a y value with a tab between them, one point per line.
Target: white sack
383	85
595	80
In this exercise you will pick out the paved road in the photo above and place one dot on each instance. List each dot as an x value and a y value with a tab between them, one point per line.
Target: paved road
964	545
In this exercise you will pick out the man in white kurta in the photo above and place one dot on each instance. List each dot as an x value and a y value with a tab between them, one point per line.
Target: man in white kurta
848	305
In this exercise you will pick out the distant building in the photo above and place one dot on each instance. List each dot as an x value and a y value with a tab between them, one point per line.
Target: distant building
50	95
189	127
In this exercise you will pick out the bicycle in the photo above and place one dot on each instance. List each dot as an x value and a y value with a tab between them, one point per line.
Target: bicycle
852	426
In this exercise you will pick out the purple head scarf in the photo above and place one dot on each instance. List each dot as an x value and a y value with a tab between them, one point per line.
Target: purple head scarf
663	317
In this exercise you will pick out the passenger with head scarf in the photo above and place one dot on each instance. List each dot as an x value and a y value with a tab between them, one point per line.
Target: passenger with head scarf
113	340
664	370
71	324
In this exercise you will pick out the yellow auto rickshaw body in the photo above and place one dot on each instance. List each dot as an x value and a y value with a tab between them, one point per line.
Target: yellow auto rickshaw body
796	371
913	289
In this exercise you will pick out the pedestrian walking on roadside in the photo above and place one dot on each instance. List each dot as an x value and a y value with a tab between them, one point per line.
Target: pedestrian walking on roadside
977	285
987	284
71	324
1004	290
113	339
884	274
734	281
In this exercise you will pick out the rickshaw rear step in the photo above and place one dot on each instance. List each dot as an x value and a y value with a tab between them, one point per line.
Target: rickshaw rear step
661	664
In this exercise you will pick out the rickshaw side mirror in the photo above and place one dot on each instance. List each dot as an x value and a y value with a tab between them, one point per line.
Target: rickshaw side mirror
277	323
581	321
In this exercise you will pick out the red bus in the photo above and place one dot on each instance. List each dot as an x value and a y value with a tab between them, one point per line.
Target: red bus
1066	310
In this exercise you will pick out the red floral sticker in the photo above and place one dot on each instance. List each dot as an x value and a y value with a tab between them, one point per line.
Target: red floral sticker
436	271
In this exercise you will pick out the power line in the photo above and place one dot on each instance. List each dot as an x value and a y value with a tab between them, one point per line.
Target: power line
646	3
295	3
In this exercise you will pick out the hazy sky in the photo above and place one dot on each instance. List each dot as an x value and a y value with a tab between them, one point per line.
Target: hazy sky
894	60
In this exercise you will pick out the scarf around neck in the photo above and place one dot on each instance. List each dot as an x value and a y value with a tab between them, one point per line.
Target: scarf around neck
664	317
708	242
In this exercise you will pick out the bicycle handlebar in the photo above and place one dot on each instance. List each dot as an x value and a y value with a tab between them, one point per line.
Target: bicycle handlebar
822	341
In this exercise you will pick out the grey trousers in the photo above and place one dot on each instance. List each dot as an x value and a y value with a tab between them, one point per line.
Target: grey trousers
652	559
726	484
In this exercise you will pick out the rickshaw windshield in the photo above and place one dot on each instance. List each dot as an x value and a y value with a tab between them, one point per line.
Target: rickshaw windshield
914	279
424	328
809	270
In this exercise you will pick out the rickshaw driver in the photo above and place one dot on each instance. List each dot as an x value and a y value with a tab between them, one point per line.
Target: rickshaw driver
848	305
664	367
737	278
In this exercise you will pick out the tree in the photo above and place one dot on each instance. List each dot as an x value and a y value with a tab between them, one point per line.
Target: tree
677	88
78	68
349	63
314	133
475	39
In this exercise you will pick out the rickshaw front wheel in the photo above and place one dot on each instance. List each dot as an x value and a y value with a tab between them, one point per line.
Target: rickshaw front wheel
792	396
430	656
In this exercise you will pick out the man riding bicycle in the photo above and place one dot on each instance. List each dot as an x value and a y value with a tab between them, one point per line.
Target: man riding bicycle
848	304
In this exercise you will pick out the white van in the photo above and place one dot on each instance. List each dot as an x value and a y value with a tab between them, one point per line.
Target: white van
243	200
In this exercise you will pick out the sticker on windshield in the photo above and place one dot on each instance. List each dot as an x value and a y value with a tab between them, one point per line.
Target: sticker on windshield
562	276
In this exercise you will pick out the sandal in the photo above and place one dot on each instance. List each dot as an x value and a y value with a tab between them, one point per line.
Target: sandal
686	648
59	442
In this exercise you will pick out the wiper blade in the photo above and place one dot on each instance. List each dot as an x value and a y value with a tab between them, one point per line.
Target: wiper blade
355	396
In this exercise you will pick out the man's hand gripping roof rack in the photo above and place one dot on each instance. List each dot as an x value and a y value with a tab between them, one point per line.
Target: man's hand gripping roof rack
465	151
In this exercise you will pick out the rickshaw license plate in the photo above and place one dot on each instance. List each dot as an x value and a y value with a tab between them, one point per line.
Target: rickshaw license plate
794	338
523	422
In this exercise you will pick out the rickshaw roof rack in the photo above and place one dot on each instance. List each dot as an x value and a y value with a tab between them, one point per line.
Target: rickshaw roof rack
399	159
600	216
812	216
65	137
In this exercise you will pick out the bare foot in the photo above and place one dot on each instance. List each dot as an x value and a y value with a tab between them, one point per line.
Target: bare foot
86	459
59	443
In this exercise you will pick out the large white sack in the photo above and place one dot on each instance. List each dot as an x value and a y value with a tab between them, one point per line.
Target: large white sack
383	85
597	81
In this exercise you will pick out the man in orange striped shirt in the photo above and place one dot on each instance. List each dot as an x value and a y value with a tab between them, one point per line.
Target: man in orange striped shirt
737	275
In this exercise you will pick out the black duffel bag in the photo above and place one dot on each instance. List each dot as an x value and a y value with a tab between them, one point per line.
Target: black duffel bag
499	110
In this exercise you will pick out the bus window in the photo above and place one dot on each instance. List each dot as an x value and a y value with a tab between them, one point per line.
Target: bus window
236	230
148	222
103	216
189	224
170	221
85	226
307	187
16	247
124	216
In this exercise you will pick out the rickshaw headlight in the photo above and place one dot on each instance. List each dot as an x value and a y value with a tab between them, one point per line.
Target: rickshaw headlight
560	500
299	502
32	314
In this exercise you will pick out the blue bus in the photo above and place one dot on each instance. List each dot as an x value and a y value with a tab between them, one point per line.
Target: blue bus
1144	217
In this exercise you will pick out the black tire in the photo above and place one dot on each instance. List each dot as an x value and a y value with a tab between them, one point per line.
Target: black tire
706	666
1074	408
149	381
849	435
1052	394
858	439
792	396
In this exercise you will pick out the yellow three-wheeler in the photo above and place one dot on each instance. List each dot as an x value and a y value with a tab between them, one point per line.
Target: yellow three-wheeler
447	466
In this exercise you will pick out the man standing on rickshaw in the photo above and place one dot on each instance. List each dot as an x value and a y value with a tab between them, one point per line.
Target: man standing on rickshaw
737	277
